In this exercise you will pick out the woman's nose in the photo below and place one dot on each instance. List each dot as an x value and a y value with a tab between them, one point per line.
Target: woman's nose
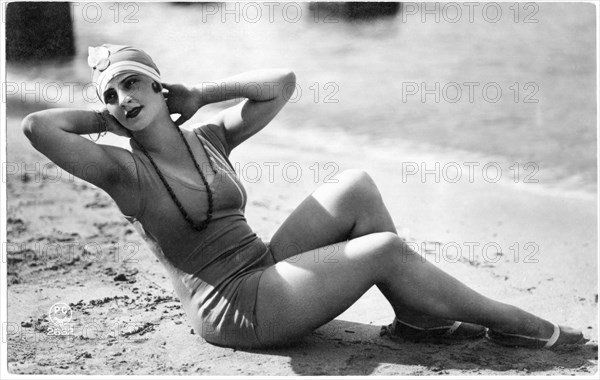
125	98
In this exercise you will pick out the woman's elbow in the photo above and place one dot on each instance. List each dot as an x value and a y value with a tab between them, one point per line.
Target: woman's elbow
288	84
34	125
289	77
29	125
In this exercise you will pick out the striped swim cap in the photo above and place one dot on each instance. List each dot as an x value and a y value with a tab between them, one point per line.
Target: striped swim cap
108	61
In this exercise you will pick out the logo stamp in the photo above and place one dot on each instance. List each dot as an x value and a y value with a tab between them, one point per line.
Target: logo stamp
60	315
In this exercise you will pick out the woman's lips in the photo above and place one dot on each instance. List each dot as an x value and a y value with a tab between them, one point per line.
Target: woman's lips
134	112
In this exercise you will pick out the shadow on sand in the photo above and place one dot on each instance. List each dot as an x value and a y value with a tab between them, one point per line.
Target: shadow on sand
350	348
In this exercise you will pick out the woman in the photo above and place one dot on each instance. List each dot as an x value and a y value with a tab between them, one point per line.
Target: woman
179	189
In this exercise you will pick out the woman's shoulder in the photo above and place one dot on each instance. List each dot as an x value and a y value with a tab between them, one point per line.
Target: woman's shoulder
215	134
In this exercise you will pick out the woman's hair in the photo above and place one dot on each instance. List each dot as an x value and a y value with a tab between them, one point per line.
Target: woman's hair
157	86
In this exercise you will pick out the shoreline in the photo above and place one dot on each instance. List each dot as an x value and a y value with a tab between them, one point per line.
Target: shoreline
470	162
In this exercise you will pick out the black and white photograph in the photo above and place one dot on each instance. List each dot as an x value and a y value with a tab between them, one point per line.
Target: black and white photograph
386	189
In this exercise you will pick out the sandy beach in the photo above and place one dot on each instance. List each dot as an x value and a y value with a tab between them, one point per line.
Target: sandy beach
67	243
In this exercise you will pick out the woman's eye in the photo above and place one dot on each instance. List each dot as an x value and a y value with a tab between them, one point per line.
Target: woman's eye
130	83
109	98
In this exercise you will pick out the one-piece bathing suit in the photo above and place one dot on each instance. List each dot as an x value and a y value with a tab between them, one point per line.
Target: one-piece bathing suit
215	271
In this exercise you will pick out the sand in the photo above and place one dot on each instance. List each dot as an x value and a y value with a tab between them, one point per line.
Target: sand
67	243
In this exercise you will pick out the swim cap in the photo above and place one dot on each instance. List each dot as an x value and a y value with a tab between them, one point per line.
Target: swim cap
108	61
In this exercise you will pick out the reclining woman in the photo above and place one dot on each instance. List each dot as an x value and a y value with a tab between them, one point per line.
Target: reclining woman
179	189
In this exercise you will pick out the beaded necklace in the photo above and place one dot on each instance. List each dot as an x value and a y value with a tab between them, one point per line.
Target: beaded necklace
197	226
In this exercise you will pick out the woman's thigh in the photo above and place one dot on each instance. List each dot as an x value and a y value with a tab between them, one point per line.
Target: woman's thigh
297	296
333	213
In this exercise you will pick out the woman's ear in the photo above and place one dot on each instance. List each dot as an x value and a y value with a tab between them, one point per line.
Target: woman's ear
157	87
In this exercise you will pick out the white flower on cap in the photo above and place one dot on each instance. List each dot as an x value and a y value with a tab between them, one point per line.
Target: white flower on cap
98	58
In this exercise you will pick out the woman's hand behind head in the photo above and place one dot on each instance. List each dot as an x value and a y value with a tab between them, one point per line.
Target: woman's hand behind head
183	101
113	125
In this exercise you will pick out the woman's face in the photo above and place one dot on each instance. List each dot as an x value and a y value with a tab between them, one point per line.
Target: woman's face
129	97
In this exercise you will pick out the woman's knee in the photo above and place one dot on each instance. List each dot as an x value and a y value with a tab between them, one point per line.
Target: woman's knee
356	177
384	246
387	251
359	183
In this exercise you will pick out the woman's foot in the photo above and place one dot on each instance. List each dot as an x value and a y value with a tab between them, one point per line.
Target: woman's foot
562	335
432	329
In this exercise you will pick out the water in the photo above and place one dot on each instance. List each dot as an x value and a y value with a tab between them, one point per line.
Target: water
361	80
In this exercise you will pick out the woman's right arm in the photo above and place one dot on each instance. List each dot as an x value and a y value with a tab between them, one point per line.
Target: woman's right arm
56	134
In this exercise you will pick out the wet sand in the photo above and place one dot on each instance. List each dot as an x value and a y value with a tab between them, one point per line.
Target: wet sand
68	243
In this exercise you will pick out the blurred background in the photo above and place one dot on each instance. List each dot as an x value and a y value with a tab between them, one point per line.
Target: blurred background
516	81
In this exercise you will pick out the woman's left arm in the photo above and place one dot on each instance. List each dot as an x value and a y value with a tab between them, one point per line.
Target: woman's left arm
266	92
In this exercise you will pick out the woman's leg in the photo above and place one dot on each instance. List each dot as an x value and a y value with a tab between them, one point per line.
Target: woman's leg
333	213
296	297
336	212
318	279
